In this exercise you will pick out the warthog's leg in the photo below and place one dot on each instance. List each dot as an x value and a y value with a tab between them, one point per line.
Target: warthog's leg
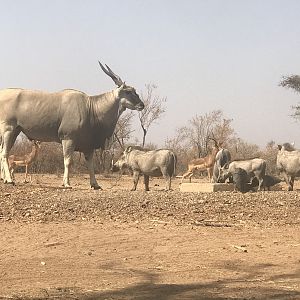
291	183
136	176
288	181
68	151
146	182
168	182
89	161
260	183
167	177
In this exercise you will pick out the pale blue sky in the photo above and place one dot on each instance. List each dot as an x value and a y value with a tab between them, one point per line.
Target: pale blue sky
203	55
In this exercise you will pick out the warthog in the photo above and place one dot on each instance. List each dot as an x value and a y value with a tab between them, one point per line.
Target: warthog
288	164
254	167
241	180
223	157
268	181
148	163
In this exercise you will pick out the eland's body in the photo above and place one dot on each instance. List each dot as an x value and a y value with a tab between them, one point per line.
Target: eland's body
79	121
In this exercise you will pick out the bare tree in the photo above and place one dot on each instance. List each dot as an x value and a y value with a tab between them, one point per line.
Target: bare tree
116	143
202	128
178	145
154	108
292	82
241	149
270	155
124	129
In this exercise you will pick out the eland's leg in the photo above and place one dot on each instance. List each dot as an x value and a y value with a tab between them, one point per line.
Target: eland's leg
8	138
68	151
90	165
291	183
146	182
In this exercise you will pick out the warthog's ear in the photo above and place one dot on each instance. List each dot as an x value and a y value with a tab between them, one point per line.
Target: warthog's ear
226	166
279	147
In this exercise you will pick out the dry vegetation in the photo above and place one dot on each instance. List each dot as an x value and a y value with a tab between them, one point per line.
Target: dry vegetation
58	243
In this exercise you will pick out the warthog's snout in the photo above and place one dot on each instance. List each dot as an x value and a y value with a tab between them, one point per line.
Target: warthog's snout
114	168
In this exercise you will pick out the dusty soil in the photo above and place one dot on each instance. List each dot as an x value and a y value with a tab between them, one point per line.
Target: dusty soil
116	244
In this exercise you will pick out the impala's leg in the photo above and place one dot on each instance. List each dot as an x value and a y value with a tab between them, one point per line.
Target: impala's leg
26	172
190	176
68	151
1	164
90	165
12	170
208	174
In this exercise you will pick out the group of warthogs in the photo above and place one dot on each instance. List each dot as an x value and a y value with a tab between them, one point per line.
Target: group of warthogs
83	123
246	175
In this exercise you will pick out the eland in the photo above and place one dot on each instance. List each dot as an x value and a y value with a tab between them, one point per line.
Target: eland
76	120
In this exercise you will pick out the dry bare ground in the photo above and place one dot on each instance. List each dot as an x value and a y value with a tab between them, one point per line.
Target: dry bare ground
116	244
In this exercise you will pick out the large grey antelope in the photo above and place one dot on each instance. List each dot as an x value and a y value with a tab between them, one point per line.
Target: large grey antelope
70	117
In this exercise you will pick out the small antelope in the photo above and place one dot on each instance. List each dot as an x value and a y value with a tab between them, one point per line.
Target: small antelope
202	164
26	160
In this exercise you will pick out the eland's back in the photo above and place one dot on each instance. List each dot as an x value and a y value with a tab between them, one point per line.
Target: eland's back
40	115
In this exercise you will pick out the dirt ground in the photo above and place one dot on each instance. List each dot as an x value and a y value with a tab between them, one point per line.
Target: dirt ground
57	243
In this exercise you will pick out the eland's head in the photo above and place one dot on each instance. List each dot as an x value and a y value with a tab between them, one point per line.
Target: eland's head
127	94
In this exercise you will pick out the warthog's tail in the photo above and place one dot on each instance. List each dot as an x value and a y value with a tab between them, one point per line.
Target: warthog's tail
174	158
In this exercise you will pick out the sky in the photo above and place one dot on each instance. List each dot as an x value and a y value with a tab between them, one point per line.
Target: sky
202	55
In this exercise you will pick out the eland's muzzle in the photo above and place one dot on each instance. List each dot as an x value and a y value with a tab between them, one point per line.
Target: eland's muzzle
140	106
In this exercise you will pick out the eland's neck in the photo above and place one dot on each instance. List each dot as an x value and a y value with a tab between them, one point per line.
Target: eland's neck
105	109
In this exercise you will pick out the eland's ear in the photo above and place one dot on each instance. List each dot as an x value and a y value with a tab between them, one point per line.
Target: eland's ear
122	86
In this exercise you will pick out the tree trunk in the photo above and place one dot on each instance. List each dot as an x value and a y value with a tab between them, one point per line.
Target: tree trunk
144	136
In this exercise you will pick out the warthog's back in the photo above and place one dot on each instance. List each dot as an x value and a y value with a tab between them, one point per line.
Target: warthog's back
151	162
289	161
251	165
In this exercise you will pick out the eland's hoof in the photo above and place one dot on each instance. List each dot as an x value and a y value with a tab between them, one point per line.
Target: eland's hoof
9	182
67	186
96	187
